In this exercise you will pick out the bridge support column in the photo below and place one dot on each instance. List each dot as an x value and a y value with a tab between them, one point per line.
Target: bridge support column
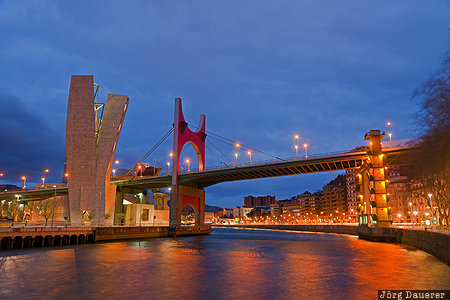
182	196
118	208
373	178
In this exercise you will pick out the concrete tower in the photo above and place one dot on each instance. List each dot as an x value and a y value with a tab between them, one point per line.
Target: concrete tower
90	145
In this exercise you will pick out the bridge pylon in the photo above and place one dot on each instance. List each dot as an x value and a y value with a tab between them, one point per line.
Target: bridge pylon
372	183
182	195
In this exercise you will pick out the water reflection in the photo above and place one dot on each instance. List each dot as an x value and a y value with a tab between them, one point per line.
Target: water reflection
228	264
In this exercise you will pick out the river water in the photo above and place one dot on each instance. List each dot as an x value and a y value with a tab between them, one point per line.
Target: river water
228	264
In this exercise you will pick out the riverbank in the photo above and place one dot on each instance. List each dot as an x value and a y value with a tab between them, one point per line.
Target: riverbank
34	237
434	243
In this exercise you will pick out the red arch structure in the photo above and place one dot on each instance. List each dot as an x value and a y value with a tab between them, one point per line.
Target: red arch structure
183	135
181	196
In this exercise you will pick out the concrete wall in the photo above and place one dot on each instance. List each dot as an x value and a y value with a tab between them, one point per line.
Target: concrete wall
89	156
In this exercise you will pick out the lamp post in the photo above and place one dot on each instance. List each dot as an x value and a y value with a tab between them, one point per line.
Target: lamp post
154	168
43	178
189	164
24	181
410	211
54	203
296	145
114	172
168	168
236	148
390	134
432	213
140	170
306	150
250	154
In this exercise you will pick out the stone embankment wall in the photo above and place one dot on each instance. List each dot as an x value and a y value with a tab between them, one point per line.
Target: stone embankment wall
434	243
437	244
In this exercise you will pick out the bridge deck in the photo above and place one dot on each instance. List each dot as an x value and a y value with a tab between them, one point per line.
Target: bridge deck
202	179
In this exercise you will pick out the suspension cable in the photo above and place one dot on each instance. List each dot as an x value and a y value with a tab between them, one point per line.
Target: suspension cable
232	143
166	135
212	144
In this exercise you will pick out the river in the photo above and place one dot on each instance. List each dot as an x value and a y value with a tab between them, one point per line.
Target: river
228	264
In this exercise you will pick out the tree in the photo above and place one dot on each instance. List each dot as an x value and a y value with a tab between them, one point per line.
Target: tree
12	210
431	169
46	208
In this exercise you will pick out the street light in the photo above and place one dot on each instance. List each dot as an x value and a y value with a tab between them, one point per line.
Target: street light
168	168
432	211
306	150
296	145
140	170
390	134
24	181
250	154
236	147
43	178
189	164
54	203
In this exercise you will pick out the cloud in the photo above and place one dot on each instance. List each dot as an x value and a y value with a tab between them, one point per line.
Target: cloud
28	144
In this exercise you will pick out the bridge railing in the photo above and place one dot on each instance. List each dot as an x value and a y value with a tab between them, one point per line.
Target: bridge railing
272	161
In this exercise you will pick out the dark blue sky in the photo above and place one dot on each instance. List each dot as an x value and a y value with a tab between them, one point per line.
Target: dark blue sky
261	71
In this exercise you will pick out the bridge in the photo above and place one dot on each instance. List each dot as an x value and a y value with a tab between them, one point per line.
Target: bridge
90	157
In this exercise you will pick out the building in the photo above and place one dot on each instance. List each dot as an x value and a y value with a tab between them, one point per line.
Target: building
352	200
334	196
310	203
404	198
227	213
241	211
275	209
251	201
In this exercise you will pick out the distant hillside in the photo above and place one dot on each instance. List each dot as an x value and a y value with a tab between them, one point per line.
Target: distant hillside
212	208
187	210
8	187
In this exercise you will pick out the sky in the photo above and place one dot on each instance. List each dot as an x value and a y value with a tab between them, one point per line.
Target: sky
261	72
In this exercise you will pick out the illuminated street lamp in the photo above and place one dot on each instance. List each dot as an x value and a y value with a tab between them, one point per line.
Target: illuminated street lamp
250	154
236	146
296	145
410	210
189	164
306	150
432	211
140	170
114	172
43	178
24	181
1	174
168	168
390	134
